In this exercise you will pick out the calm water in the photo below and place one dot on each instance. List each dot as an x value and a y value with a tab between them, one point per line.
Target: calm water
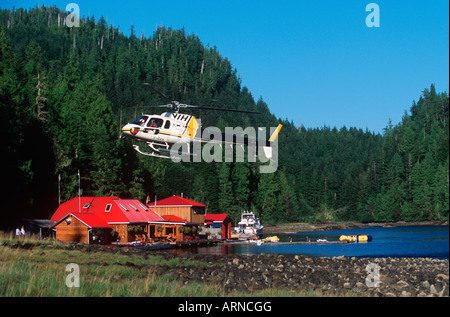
416	241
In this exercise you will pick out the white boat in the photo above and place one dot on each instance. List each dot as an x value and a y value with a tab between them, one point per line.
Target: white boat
257	242
249	224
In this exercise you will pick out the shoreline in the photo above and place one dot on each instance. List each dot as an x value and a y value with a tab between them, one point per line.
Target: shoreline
251	274
331	276
306	227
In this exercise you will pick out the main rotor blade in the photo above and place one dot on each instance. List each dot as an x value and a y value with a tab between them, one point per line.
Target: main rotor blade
221	109
135	107
158	92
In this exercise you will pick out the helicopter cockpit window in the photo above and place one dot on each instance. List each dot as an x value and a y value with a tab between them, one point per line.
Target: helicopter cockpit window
167	125
155	123
140	121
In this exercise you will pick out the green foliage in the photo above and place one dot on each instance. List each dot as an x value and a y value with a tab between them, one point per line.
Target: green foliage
61	90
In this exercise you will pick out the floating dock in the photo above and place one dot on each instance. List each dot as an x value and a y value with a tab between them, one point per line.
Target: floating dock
194	243
242	242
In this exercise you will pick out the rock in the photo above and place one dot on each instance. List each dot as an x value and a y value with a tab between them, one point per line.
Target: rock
347	285
443	292
433	290
266	277
402	284
406	294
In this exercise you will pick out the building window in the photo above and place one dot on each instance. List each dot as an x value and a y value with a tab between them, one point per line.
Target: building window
108	208
169	230
199	210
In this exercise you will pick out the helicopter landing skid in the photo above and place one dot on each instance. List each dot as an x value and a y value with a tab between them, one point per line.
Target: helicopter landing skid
136	147
175	156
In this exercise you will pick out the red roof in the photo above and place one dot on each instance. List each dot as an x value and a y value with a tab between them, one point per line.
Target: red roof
71	206
135	211
175	201
109	209
173	218
88	219
215	217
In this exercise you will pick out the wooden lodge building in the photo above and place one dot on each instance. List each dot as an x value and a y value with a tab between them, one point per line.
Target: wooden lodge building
106	220
110	219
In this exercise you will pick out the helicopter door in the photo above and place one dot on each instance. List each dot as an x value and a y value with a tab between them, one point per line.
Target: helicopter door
154	124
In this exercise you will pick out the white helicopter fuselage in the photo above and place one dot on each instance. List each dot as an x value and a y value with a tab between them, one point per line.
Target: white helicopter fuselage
161	132
167	128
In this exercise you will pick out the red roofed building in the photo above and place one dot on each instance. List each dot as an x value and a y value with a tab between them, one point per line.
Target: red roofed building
186	209
218	223
111	218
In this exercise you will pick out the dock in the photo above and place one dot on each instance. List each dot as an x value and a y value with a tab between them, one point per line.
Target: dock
242	242
169	245
210	243
194	243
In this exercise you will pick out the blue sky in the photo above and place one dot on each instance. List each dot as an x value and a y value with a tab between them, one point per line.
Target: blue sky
311	61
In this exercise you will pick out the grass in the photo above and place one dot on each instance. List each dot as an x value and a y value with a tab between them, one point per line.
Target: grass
42	272
37	268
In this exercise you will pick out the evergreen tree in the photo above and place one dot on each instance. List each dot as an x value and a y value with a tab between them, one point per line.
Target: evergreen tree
225	186
267	199
61	93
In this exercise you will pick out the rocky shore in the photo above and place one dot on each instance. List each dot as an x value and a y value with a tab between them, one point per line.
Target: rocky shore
342	276
375	277
407	277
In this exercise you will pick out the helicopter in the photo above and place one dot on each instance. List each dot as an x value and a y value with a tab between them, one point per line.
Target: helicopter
161	132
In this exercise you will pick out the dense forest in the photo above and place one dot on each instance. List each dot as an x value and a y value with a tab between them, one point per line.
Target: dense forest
61	93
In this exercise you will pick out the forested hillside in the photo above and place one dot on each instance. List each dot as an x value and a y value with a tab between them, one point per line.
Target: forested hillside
61	93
